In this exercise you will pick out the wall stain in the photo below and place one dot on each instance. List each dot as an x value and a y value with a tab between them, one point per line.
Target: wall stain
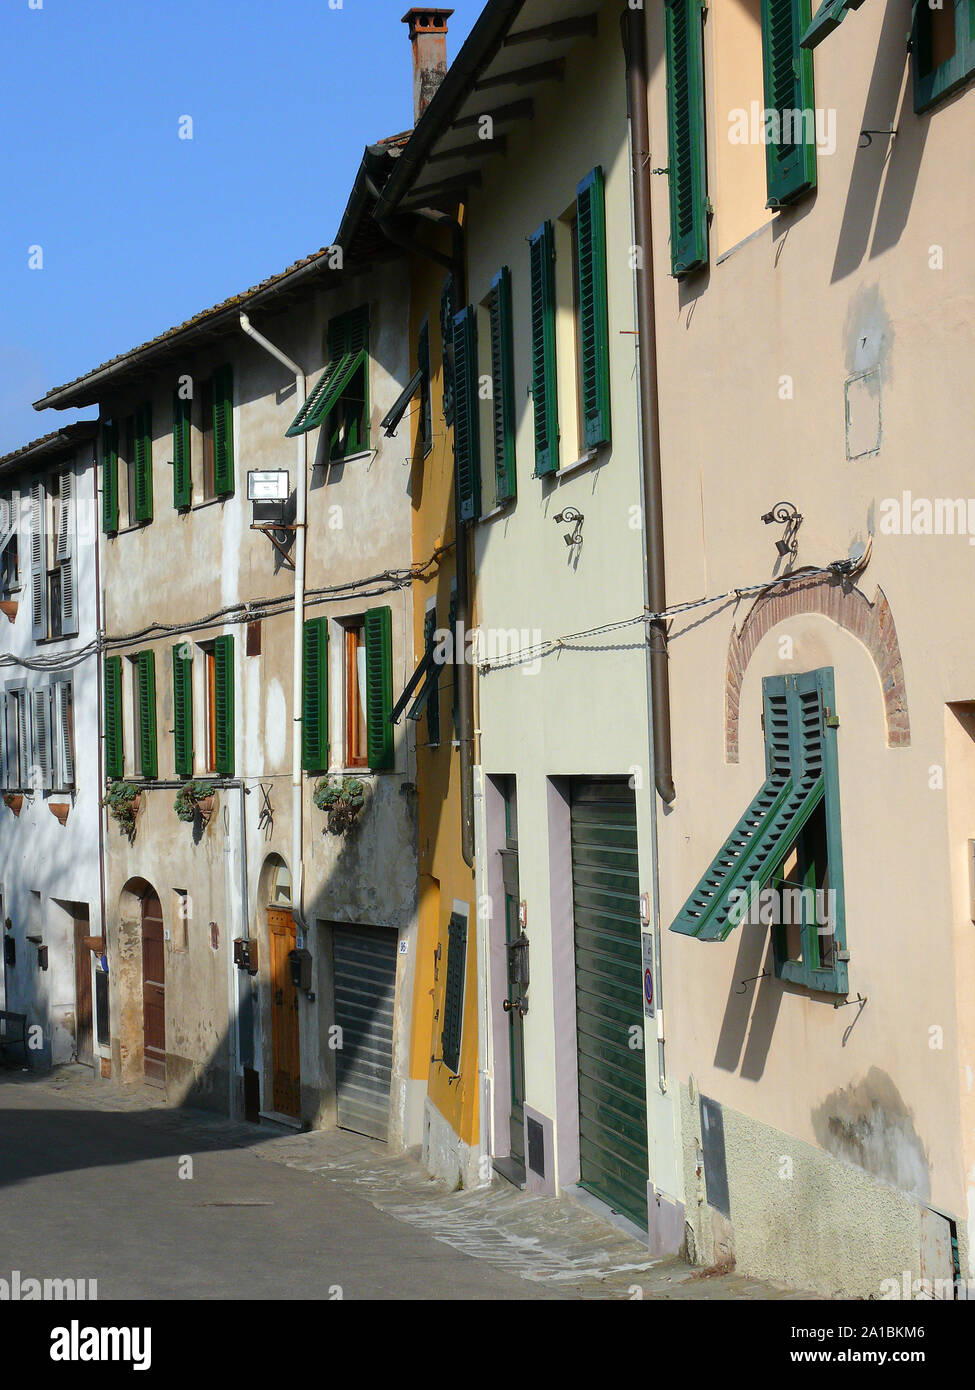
869	1124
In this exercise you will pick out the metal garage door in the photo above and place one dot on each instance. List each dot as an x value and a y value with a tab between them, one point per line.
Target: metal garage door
609	1000
364	961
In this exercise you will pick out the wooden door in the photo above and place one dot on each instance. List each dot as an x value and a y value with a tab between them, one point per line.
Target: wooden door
284	1014
153	990
84	1049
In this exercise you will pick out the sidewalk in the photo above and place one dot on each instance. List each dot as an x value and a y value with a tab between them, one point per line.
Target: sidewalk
556	1243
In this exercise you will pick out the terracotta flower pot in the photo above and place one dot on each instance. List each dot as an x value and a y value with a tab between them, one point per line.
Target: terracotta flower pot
8	607
14	801
59	809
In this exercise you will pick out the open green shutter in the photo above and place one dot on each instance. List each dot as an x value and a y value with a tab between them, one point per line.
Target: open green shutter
348	347
789	98
503	385
223	660
544	385
148	754
182	476
183	709
114	766
379	688
314	695
467	434
143	464
110	477
223	431
430	694
453	1004
828	17
686	159
593	310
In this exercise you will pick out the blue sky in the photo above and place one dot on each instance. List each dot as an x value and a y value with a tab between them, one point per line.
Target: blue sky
138	228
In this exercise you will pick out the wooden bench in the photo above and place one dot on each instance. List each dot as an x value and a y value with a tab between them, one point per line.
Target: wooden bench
13	1029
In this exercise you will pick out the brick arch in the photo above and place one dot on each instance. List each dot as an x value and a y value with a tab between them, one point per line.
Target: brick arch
871	623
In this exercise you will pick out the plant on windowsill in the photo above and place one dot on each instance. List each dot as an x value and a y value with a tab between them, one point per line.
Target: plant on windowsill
123	802
195	799
13	801
341	801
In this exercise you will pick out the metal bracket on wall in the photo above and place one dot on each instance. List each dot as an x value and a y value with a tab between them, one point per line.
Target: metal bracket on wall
269	532
265	820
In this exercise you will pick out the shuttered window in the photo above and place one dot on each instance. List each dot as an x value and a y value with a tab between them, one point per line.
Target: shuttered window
447	314
544	384
110	477
13	734
379	688
593	309
503	385
686	157
62	717
38	561
426	395
348	352
223	658
182	472
146	714
943	49
142	511
183	708
223	431
114	766
40	719
65	552
467	440
790	151
314	696
453	1002
791	826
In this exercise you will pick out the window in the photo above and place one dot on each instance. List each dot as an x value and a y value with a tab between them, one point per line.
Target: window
944	49
495	346
829	15
340	399
180	918
368	686
356	742
9	542
137	458
53	583
206	437
782	865
16	753
453	1002
110	458
210	687
219	729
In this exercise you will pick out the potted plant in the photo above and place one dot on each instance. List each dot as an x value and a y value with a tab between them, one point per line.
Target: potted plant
341	801
123	801
195	799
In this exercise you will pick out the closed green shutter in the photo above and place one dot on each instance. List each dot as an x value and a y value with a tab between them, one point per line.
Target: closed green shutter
453	1002
686	159
143	464
790	161
467	434
183	709
458	651
544	382
432	703
426	398
593	310
110	477
182	476
114	764
379	688
314	696
503	385
447	347
223	660
223	431
148	755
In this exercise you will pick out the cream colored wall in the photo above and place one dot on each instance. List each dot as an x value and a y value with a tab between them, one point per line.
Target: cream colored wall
754	356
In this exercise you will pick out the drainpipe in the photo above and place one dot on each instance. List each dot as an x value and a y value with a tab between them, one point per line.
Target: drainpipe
99	697
635	45
301	488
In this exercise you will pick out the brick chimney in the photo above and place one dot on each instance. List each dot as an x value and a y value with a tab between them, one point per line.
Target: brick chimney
428	35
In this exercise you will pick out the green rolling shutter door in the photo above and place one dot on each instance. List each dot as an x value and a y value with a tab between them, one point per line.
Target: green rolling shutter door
613	1157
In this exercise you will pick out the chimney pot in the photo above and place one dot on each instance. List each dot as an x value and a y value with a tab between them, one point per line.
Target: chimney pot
428	35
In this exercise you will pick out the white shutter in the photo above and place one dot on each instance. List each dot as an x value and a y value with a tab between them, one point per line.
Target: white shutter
23	747
8	518
40	702
38	558
66	547
64	764
3	741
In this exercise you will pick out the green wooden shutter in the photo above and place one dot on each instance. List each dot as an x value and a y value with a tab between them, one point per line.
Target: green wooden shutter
458	660
788	69
467	433
314	696
113	717
183	709
223	658
593	309
687	160
143	464
432	704
223	431
828	17
503	385
447	313
544	384
453	1003
379	688
148	754
426	398
182	475
110	477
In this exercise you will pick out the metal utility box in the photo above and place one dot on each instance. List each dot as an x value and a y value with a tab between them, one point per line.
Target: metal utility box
299	962
245	954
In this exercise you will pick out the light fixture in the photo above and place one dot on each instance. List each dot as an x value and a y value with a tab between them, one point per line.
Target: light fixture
785	514
571	516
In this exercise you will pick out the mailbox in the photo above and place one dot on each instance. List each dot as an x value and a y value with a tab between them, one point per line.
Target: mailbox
300	963
245	954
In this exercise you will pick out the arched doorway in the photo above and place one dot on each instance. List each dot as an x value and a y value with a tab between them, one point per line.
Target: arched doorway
153	990
282	936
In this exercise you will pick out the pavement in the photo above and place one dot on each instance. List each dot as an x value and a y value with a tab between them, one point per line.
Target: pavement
156	1202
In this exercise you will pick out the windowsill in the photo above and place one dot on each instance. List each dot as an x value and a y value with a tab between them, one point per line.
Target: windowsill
745	240
351	458
499	510
136	526
207	502
580	462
